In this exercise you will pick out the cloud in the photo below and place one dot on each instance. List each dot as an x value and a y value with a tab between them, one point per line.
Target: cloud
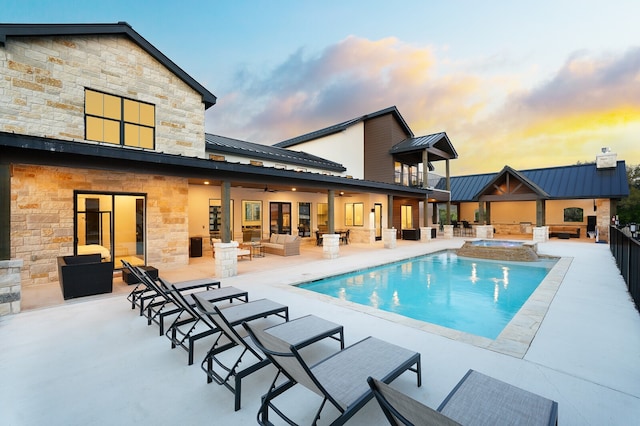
592	100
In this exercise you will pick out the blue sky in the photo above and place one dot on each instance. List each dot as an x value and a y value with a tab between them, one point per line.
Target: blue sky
524	84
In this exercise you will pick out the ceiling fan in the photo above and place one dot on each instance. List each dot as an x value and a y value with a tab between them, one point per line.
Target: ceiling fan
266	189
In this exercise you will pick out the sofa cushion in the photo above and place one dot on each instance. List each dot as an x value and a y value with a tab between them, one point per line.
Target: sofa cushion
290	238
273	238
281	238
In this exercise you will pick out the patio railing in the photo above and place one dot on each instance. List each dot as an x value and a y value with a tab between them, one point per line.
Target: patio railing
626	251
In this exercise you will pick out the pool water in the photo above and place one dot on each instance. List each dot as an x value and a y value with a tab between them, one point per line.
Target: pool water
497	243
471	295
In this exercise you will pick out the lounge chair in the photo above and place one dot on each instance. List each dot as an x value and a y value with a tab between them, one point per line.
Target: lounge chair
142	292
300	332
340	379
190	318
235	315
476	399
163	304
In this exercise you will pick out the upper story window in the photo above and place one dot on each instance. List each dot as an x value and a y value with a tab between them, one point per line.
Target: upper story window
118	120
407	175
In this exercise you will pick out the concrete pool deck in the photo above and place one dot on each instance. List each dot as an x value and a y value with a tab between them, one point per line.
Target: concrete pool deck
94	361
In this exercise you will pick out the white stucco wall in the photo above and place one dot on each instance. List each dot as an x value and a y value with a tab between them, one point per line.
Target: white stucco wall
346	148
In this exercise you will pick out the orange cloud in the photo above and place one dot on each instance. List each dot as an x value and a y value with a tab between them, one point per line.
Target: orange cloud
492	120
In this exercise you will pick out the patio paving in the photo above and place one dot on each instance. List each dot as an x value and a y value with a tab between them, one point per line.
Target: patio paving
94	361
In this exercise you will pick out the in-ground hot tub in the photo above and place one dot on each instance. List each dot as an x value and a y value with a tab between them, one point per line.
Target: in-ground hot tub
518	251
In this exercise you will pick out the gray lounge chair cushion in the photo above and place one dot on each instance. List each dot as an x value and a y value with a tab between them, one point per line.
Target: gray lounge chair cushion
344	375
482	400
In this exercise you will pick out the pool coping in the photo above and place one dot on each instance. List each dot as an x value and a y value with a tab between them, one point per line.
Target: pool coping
514	340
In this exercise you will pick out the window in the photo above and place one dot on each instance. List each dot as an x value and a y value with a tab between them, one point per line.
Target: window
354	214
322	217
117	120
397	167
573	214
251	218
304	219
215	217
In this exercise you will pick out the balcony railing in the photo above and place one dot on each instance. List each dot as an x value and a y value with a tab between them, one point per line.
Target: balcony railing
626	251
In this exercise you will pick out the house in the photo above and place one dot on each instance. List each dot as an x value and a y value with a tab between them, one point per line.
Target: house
570	201
104	150
381	147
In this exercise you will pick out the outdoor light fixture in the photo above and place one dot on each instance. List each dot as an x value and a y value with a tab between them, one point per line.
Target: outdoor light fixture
293	189
633	228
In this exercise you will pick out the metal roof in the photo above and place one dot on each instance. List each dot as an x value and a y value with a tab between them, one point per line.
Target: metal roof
224	144
120	28
336	128
437	144
565	182
38	150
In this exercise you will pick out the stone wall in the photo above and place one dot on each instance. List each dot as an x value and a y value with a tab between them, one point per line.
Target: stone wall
42	82
10	286
42	215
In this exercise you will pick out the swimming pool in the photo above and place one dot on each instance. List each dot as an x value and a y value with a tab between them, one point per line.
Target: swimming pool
475	296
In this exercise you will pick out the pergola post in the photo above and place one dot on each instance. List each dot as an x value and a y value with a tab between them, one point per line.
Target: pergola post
448	188
5	211
540	212
225	191
389	211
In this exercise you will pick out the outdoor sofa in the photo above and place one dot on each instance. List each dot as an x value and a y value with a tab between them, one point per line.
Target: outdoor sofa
563	231
282	244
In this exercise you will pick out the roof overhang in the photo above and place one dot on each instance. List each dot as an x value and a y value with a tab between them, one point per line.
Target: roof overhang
43	151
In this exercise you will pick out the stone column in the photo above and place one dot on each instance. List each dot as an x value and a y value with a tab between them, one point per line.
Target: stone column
484	231
330	246
226	260
448	231
389	238
10	286
541	234
425	234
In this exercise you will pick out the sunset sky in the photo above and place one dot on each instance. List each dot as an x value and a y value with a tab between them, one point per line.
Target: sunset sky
524	84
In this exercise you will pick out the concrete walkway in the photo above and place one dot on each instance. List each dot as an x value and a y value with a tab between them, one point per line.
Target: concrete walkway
94	361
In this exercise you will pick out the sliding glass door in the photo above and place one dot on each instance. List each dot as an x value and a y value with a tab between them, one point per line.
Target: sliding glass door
112	225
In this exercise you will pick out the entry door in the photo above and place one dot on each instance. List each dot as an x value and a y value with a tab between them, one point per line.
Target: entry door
280	218
378	220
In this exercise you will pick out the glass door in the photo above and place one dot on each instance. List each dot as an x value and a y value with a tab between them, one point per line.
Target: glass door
112	225
280	217
377	208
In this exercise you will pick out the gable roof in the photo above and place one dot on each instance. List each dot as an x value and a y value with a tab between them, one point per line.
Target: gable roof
565	182
434	144
336	128
252	150
120	28
502	182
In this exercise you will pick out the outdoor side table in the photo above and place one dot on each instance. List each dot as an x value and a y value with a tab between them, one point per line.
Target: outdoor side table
130	278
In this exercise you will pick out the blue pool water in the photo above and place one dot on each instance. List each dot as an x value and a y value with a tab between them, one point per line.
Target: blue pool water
471	295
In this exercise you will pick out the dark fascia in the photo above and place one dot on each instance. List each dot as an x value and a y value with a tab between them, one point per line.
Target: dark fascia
37	150
336	128
122	28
